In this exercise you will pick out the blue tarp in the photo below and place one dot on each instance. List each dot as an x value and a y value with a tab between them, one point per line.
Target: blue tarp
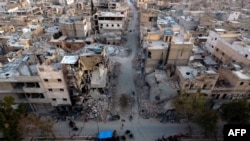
105	134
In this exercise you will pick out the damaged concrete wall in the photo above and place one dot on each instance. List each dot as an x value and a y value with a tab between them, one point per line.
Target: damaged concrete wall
179	54
90	62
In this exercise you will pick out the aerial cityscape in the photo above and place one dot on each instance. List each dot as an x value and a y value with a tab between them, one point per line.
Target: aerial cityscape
116	70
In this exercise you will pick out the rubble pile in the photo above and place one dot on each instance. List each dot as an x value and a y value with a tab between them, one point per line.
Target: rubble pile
149	109
113	83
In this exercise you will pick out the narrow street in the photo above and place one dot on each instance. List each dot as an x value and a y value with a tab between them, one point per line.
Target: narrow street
126	76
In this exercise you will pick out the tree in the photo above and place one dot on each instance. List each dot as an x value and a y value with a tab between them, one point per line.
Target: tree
208	120
236	112
30	125
9	118
193	106
189	105
15	123
124	101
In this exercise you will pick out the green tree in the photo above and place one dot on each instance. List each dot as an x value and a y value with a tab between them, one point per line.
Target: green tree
208	120
189	105
9	118
236	112
193	107
15	123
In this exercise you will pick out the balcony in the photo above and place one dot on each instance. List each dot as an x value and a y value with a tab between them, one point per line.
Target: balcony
33	90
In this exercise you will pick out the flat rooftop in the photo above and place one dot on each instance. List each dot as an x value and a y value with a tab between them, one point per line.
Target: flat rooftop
241	75
156	44
189	72
111	14
69	59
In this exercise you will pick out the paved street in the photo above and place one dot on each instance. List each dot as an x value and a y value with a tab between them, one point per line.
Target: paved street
143	130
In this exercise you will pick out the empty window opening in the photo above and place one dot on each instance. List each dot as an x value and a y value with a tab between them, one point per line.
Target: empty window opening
224	96
41	69
149	54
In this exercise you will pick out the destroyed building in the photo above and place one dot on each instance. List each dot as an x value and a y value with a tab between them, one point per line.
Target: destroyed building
85	71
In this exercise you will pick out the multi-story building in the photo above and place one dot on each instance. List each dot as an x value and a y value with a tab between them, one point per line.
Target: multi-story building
74	26
228	46
148	17
110	21
196	79
36	79
188	22
232	84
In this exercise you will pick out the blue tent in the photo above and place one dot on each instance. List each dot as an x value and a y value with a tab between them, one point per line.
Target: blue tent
105	134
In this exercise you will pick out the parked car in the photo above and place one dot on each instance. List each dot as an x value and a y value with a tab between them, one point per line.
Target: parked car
114	117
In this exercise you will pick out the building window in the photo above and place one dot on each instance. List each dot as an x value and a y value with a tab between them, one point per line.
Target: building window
118	25
224	96
241	83
64	99
61	90
59	80
101	24
107	25
212	46
217	49
112	25
215	38
53	99
246	55
50	90
41	69
222	54
149	54
46	80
